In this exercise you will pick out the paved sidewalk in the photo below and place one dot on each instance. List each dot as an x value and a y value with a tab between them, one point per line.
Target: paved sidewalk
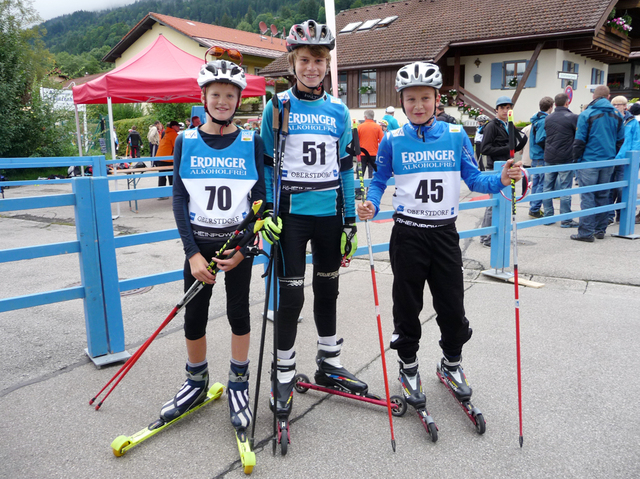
578	347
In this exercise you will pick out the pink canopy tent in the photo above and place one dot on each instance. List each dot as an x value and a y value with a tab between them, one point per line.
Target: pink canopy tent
162	73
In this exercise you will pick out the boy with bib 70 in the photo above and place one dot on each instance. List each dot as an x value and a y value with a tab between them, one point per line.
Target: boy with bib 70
428	159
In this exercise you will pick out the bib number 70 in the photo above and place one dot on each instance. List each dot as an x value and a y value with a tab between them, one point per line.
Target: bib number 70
222	194
430	190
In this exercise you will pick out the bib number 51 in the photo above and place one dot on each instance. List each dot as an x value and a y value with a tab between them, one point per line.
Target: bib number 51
310	153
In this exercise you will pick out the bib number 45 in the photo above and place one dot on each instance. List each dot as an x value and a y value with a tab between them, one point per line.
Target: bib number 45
430	190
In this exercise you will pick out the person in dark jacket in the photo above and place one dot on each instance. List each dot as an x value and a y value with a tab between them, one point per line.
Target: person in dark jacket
557	137
442	116
495	147
135	142
536	152
599	136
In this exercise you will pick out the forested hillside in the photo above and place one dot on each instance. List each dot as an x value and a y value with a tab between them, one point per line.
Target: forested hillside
81	32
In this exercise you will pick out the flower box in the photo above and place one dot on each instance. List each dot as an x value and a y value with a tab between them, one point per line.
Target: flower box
616	32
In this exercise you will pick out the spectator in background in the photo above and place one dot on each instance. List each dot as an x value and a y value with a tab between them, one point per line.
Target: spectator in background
495	147
635	111
195	122
392	123
370	135
558	135
186	125
631	142
384	125
536	152
167	144
442	116
154	137
477	139
134	140
599	136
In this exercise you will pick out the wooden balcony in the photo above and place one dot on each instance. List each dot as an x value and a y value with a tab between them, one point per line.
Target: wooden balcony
608	46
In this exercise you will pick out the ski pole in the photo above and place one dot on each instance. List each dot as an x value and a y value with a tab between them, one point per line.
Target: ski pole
188	296
375	292
514	224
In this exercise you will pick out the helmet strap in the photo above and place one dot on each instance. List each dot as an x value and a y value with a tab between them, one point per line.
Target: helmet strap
316	92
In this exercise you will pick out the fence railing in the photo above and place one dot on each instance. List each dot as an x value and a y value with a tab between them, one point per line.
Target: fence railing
96	243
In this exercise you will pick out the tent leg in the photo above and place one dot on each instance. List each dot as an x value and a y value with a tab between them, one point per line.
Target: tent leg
113	150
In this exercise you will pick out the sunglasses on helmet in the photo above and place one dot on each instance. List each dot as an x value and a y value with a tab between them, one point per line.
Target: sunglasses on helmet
217	52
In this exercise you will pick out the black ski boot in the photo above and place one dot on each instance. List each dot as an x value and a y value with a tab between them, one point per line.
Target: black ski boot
452	373
286	380
411	384
238	393
330	372
192	393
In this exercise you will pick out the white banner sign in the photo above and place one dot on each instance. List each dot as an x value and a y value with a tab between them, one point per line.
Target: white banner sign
567	76
61	99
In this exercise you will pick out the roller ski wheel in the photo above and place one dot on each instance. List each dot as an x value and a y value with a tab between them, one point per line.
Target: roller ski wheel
284	436
301	378
473	413
122	444
247	456
398	406
428	423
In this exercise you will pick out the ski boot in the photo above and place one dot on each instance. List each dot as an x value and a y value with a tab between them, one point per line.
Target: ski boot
330	372
240	412
285	381
192	393
453	377
412	391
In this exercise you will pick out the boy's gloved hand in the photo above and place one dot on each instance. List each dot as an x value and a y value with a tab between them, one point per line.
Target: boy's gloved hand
348	240
271	228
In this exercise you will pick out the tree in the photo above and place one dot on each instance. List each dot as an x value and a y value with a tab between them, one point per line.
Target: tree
245	26
29	123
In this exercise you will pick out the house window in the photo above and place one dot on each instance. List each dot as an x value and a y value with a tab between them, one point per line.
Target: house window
615	81
256	70
367	89
513	70
503	74
342	87
569	67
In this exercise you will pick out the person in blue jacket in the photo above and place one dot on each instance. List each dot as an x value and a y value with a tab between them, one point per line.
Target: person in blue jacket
536	152
392	123
428	158
599	137
631	143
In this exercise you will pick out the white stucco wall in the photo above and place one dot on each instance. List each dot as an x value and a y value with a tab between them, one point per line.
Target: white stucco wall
547	81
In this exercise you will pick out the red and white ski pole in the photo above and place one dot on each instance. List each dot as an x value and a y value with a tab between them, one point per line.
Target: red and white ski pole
375	294
188	296
514	223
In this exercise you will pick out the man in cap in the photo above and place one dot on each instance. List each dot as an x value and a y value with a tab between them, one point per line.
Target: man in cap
495	147
392	123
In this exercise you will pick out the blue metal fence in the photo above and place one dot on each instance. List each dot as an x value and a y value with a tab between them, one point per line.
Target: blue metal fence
96	243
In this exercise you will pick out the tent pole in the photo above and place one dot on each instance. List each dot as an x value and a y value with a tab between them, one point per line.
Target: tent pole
86	133
78	136
330	12
113	150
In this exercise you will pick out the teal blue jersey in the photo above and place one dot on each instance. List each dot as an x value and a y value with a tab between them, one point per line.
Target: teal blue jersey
317	172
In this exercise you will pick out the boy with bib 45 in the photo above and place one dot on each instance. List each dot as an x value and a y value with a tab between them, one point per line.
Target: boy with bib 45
428	158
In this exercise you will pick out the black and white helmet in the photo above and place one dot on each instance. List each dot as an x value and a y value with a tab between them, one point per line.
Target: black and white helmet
222	71
482	119
419	74
310	33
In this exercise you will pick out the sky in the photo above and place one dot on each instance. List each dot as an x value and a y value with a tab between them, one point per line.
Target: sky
50	9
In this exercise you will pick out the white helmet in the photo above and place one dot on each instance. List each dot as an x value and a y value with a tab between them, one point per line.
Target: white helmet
419	74
222	71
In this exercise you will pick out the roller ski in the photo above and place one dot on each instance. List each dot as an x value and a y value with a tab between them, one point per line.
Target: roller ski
332	378
409	378
240	413
282	403
453	377
122	444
